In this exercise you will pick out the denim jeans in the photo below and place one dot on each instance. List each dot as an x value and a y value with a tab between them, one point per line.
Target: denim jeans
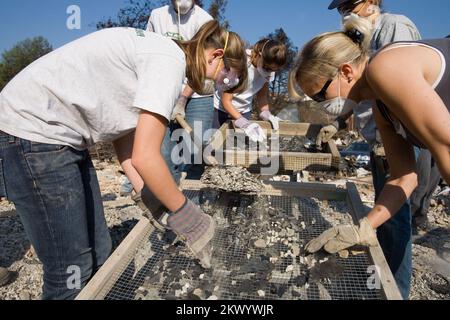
198	111
220	117
395	236
57	196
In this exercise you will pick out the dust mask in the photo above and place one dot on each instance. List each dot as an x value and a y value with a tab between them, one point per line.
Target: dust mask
184	6
338	106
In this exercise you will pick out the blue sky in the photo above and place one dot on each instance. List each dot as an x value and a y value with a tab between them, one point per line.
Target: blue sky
252	19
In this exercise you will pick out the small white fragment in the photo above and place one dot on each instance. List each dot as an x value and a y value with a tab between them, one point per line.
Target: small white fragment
213	298
233	283
261	293
289	269
202	276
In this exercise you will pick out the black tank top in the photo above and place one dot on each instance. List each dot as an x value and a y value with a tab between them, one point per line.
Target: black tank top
442	89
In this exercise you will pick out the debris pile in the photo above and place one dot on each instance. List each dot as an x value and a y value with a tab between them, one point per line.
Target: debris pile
231	179
258	253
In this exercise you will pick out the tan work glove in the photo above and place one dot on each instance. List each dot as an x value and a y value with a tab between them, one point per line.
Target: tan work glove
180	108
153	209
343	237
326	134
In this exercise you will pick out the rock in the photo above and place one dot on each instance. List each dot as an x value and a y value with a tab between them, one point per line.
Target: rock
199	293
261	244
344	254
290	232
213	298
296	250
25	296
261	293
289	269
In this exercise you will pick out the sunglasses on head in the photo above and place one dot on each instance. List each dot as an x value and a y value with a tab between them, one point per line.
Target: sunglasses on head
349	7
321	96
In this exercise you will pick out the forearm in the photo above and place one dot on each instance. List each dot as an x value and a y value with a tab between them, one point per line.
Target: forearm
158	179
188	92
231	110
392	198
124	149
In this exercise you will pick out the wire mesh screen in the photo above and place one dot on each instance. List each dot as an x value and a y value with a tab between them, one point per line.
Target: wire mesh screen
291	154
258	255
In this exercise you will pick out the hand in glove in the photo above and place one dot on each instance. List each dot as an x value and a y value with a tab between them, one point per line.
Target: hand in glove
180	108
343	237
196	228
268	116
326	134
153	209
252	130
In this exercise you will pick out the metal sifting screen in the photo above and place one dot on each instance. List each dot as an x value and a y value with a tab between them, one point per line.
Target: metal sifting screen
280	269
294	154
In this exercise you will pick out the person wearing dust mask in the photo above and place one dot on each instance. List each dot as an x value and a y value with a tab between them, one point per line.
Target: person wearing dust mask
180	20
116	85
395	236
265	59
409	81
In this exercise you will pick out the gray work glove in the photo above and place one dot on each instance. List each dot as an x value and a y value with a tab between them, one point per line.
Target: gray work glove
326	134
195	227
153	209
268	116
343	237
180	108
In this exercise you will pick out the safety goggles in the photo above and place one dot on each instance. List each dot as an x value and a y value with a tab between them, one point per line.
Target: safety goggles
348	7
321	96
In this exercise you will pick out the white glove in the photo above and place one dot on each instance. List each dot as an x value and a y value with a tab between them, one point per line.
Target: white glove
252	130
268	116
180	108
326	134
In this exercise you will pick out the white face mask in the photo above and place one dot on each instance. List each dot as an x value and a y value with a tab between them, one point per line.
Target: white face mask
264	73
373	9
338	106
184	6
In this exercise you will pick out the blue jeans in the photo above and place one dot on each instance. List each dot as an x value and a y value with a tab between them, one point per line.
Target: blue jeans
201	111
57	196
395	236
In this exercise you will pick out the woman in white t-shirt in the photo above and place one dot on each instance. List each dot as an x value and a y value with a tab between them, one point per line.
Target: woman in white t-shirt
265	59
116	85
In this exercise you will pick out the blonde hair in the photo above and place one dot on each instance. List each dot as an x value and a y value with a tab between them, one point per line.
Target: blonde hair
322	57
212	36
272	52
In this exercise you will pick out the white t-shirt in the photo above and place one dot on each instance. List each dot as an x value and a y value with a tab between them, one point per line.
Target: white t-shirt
164	21
243	102
91	90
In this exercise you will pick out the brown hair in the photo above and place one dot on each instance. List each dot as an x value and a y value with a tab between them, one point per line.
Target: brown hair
273	52
212	35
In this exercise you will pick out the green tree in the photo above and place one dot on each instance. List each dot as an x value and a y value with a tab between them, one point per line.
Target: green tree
217	10
20	56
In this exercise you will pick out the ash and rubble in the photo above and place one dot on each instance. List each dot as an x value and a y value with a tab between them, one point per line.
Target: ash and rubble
259	253
231	179
430	279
